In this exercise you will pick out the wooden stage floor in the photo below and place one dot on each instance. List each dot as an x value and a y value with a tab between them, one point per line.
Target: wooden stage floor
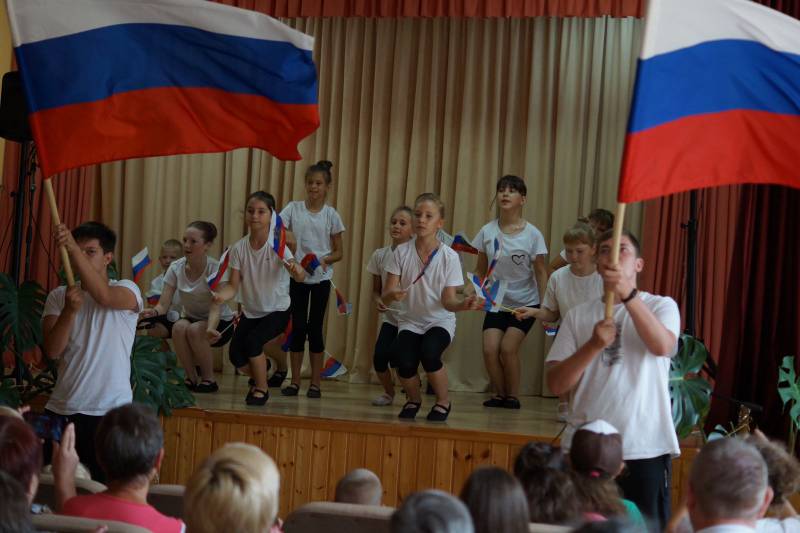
351	402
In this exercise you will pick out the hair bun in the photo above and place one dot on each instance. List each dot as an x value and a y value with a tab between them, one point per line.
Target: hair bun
324	164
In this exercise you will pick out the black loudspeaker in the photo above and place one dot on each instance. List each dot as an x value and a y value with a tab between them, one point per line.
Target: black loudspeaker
14	124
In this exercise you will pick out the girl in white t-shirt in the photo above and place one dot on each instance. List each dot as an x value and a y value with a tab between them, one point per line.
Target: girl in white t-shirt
316	229
569	286
425	273
188	278
261	278
401	230
521	263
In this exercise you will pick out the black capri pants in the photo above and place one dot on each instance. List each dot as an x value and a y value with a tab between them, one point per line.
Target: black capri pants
410	349
307	320
252	333
383	347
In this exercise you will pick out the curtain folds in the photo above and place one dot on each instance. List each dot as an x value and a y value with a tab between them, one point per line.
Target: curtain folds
409	106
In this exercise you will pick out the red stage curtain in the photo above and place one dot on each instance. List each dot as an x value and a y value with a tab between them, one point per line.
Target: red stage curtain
443	8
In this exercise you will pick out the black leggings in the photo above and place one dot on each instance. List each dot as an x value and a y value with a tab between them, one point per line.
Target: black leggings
383	347
308	322
410	349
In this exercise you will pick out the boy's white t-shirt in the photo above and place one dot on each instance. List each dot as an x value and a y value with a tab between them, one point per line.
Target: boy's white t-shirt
625	384
565	290
195	296
313	231
157	287
264	282
517	253
377	267
423	303
94	371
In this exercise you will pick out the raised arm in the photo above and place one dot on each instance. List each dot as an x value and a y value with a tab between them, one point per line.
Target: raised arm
56	328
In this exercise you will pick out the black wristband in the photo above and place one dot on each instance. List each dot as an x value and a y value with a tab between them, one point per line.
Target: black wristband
631	296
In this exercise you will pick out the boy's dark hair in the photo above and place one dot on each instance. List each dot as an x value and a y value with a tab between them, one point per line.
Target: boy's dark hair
603	219
263	196
208	229
323	167
15	512
128	441
96	230
515	183
607	235
496	501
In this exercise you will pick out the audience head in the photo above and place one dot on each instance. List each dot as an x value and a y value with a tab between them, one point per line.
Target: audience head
431	511
129	444
15	509
235	489
599	219
612	525
496	501
596	458
544	474
782	467
360	486
728	482
20	453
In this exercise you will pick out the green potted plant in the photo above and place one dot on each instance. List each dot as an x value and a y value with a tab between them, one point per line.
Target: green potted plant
689	391
789	391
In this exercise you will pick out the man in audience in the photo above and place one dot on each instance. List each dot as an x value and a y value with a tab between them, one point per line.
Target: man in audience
432	511
361	486
617	370
235	489
728	487
130	448
90	327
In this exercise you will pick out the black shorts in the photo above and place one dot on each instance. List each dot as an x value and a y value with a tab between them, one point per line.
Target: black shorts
503	320
253	333
222	327
410	349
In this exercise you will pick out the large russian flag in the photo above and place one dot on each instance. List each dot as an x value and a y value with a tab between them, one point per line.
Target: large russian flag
117	79
716	101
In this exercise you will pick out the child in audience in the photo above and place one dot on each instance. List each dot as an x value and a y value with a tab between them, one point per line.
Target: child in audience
317	229
496	501
261	278
544	475
171	250
431	511
596	458
600	220
130	448
401	230
15	511
427	273
20	454
91	328
784	476
361	487
187	277
235	489
521	263
570	286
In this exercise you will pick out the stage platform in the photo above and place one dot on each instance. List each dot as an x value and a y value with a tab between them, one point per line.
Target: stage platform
315	442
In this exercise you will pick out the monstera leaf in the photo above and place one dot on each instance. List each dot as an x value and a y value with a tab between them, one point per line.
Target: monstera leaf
20	314
156	379
789	391
690	393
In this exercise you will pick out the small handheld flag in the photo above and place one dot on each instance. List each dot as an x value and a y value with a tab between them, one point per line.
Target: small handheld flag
332	368
278	231
139	262
310	263
428	262
287	341
152	299
493	264
461	244
215	278
343	307
493	294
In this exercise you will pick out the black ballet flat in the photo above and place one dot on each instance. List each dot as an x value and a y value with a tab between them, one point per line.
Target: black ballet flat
439	416
291	390
314	392
206	386
511	402
495	401
252	399
277	378
410	410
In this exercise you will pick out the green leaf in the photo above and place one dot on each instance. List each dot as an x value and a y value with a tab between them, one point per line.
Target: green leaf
690	393
155	380
20	314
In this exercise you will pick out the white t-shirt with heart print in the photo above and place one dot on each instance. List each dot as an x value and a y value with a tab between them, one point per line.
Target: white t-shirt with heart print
515	265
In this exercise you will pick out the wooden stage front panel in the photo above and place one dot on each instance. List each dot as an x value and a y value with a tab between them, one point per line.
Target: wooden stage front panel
314	450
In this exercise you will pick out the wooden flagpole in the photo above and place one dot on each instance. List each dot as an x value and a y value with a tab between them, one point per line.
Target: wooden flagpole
619	220
51	199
